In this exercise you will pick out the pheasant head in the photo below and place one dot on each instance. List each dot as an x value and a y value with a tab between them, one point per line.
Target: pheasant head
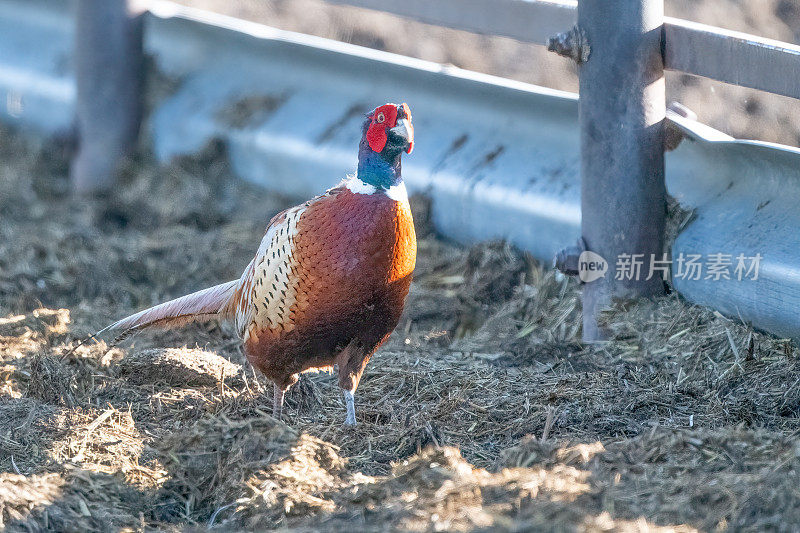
387	133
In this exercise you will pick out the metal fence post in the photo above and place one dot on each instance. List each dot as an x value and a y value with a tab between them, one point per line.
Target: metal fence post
109	73
622	107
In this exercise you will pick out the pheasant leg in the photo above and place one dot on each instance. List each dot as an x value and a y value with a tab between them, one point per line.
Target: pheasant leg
277	402
349	402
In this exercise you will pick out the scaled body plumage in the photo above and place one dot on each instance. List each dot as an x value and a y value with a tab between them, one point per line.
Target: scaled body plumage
330	278
342	282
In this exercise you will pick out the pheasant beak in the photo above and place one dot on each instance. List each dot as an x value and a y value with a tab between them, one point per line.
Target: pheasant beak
403	134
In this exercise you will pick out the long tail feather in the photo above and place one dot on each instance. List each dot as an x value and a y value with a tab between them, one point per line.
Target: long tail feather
201	305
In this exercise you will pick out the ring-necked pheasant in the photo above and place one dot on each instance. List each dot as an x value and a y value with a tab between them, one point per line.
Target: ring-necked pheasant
330	278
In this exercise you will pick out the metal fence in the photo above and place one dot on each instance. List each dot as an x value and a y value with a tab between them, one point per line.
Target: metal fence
622	48
508	168
690	47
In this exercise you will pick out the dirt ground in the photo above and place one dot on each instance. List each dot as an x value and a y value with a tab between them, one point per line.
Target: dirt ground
483	411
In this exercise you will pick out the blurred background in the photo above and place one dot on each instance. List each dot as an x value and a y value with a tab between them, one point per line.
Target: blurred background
742	113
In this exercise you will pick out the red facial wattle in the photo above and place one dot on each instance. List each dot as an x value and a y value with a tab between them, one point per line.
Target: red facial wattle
376	137
383	118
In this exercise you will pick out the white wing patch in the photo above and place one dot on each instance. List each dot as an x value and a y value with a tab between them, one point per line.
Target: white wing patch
268	281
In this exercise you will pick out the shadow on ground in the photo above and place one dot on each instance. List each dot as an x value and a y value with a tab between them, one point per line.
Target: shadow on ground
483	411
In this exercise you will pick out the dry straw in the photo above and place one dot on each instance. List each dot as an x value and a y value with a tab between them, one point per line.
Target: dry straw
483	411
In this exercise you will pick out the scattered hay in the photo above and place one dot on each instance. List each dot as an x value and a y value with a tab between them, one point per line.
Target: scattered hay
733	478
673	476
109	442
729	371
487	353
252	472
53	382
24	334
437	489
20	495
45	324
28	429
179	367
77	501
493	271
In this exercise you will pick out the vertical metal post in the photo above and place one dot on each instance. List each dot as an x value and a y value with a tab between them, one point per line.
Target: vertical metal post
109	73
622	107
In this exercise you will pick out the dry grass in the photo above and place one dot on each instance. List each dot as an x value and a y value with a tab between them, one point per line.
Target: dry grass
483	411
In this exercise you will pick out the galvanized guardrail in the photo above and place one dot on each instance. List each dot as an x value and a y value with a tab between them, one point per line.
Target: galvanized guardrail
500	159
622	49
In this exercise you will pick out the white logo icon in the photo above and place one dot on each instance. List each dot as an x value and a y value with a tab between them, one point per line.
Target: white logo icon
591	266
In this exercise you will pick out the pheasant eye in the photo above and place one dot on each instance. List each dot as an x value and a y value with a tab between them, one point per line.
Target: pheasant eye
380	118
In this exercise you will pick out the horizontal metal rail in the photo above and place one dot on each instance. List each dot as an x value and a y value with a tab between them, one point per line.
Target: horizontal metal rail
522	20
722	55
732	57
507	169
